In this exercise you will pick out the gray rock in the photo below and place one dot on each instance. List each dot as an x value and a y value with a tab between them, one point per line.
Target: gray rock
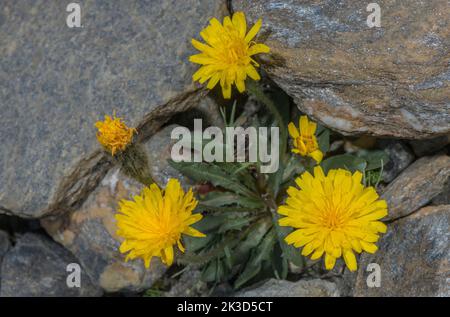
207	110
4	246
158	150
414	257
427	147
36	266
56	82
90	234
391	80
189	285
416	186
400	156
444	197
302	288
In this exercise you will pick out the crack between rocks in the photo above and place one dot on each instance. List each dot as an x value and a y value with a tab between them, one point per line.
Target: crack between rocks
75	188
5	211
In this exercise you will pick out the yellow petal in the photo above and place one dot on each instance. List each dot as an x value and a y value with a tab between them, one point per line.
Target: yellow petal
318	253
293	130
317	155
240	23
330	261
213	81
350	260
180	246
168	255
201	59
193	232
253	31
303	125
258	48
252	73
226	91
318	172
368	247
240	85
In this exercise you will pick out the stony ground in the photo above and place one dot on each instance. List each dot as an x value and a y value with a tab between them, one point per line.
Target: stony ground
385	88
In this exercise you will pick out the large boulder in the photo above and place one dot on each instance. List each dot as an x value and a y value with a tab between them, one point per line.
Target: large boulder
37	266
391	80
56	81
417	185
413	256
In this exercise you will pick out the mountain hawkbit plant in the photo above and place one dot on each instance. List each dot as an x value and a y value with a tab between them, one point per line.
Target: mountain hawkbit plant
325	198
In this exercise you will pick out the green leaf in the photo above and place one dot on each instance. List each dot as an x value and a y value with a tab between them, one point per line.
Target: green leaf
206	172
374	159
213	250
240	171
259	255
265	247
209	273
235	224
250	272
289	252
279	263
255	234
324	140
194	244
293	168
345	161
219	199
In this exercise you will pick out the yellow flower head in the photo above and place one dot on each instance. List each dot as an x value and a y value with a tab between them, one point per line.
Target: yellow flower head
305	142
227	55
113	134
153	222
333	214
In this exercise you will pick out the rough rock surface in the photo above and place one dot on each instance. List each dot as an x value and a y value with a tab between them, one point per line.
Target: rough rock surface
400	156
90	234
444	197
189	285
56	81
4	246
388	81
302	288
414	257
417	185
427	147
158	150
36	266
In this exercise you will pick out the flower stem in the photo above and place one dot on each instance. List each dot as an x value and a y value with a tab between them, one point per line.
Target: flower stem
134	163
256	90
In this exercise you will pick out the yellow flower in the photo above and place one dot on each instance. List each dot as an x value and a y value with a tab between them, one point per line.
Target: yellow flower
153	222
305	142
113	134
227	55
334	215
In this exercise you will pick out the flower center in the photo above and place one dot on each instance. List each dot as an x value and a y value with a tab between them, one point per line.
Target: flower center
333	219
236	52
